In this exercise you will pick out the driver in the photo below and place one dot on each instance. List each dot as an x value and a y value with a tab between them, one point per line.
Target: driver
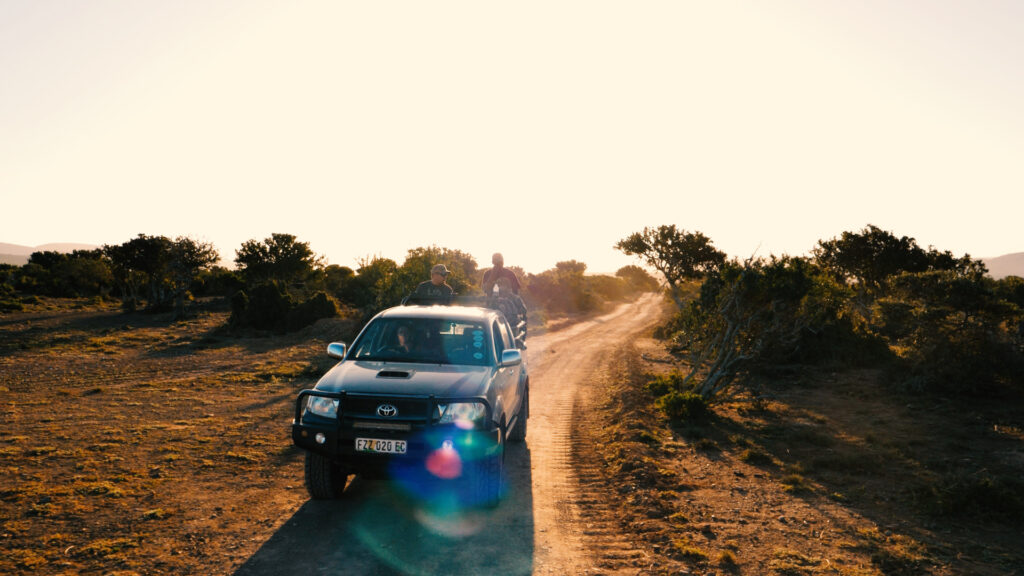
404	343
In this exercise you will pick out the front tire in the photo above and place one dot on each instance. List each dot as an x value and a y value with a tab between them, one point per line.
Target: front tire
490	476
325	478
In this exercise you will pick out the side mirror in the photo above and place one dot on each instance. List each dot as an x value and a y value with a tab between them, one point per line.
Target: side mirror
336	350
511	358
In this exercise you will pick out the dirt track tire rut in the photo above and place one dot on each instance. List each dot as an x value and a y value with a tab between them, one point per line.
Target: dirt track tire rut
555	517
576	530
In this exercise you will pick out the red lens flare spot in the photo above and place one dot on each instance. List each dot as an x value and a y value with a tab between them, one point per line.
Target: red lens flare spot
445	463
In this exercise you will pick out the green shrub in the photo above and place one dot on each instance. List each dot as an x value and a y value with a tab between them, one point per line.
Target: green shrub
756	457
662	384
683	406
270	307
319	306
239	304
968	361
265	307
8	299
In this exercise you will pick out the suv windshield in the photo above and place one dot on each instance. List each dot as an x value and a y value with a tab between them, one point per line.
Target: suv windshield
425	340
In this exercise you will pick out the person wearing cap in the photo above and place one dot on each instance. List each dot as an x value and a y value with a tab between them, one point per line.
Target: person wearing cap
435	289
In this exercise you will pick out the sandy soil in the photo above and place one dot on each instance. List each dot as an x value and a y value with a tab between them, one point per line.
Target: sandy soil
136	445
132	444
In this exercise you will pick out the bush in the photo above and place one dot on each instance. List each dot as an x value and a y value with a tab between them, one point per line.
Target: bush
955	333
662	384
970	362
217	281
271	308
8	301
239	305
683	406
319	306
11	306
266	308
978	494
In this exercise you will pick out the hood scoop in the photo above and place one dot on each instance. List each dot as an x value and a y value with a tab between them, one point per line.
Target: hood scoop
394	374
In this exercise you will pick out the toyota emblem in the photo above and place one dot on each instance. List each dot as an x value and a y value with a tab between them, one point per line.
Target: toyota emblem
387	411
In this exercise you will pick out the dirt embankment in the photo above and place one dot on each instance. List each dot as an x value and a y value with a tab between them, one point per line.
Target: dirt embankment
827	473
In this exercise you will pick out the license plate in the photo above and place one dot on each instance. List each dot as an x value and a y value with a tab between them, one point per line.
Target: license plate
378	446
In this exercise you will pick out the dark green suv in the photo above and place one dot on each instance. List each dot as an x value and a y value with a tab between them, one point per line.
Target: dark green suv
426	395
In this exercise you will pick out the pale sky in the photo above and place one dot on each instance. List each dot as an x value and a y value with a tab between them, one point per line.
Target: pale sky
545	130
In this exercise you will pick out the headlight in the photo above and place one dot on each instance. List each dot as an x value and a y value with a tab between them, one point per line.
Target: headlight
465	415
320	406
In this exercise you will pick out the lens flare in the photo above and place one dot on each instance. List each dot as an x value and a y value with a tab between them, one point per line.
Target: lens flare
445	462
453	522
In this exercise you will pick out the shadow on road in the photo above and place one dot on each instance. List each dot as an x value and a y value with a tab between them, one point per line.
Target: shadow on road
378	528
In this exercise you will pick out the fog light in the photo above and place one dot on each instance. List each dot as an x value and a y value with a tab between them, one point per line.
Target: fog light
320	438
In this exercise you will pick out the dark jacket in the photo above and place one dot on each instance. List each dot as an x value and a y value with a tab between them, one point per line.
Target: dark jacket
428	291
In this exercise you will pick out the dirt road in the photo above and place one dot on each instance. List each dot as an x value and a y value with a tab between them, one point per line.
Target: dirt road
548	523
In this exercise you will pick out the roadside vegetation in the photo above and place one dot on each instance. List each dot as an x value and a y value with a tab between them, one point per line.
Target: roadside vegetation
864	403
933	320
279	284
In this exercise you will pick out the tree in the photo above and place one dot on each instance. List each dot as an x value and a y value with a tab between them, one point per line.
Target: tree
565	288
679	255
157	269
279	258
188	259
873	255
373	274
956	332
757	313
140	270
80	273
639	278
337	278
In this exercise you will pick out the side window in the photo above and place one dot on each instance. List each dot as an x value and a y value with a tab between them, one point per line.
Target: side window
507	330
502	339
499	341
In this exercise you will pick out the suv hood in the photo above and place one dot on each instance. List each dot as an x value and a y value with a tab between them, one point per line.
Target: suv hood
406	378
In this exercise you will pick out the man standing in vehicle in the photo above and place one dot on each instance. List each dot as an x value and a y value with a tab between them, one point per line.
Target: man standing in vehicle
503	281
499	272
436	289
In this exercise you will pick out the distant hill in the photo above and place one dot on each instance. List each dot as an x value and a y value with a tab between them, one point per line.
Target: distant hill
1007	265
18	255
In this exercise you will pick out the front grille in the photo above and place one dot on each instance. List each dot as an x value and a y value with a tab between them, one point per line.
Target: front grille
366	407
379	425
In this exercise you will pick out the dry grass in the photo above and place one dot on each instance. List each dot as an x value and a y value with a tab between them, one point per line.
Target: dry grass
123	432
835	476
